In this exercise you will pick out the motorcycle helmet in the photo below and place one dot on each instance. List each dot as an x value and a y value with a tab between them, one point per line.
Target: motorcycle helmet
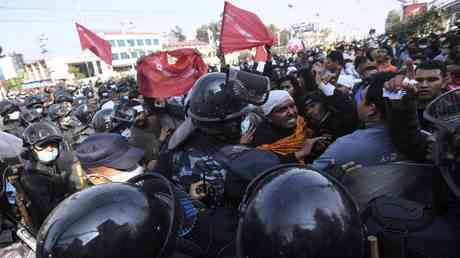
294	211
102	121
115	220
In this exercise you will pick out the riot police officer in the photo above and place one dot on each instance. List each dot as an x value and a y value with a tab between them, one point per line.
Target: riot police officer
203	157
195	153
102	121
35	103
45	180
61	115
10	112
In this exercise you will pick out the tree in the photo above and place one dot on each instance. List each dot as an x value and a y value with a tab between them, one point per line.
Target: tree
393	18
76	72
178	33
1	50
274	31
214	27
15	82
417	25
284	37
202	33
244	56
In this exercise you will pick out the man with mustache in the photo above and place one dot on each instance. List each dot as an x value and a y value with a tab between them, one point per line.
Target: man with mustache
284	132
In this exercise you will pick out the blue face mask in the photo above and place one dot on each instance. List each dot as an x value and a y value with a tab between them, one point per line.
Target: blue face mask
47	156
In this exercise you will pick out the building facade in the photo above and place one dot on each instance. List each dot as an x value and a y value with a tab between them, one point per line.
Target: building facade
10	66
128	47
55	69
207	51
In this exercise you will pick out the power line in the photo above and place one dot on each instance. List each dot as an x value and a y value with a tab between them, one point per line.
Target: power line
49	9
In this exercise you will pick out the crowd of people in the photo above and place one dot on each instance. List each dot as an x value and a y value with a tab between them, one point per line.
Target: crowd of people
224	169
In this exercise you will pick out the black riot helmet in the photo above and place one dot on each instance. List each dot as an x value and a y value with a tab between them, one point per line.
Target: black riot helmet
84	113
80	101
62	95
217	100
444	113
29	116
104	92
102	121
41	132
113	220
34	102
57	111
123	113
293	211
7	107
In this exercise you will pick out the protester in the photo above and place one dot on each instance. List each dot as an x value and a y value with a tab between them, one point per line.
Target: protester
284	132
370	146
383	60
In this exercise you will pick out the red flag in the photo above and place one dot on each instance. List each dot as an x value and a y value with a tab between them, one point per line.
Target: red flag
261	54
157	78
242	30
97	45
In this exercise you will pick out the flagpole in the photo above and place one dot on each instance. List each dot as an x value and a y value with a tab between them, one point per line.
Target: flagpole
221	53
79	17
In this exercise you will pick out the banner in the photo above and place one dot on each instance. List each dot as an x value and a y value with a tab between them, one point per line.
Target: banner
242	30
295	45
158	78
97	45
414	9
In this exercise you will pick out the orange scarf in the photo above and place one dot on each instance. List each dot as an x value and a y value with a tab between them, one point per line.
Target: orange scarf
291	143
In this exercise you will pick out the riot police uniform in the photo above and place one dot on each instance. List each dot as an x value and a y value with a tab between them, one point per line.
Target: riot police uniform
46	174
10	113
204	151
215	112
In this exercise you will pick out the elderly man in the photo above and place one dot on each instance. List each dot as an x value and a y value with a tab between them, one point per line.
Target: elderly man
284	132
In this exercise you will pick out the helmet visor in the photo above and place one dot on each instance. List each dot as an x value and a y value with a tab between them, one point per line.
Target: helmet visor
249	87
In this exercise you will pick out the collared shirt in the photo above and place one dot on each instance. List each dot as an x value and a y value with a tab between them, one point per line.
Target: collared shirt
367	147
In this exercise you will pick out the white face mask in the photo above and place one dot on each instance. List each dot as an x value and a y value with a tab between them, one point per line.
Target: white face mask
47	156
14	115
39	110
125	176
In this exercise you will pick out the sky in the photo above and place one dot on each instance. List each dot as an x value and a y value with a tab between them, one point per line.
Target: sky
23	21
